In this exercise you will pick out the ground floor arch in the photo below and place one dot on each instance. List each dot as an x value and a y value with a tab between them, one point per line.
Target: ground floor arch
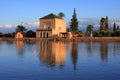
43	34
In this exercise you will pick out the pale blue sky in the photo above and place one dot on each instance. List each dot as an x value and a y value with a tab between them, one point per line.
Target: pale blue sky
15	11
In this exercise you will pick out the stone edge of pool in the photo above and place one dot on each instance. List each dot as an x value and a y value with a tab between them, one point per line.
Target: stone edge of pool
79	39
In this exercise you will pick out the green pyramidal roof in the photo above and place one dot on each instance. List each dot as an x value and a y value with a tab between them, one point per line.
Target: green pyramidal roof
50	16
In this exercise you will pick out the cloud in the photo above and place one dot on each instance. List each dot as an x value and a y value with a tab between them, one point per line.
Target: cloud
117	21
12	27
7	26
31	24
83	22
96	22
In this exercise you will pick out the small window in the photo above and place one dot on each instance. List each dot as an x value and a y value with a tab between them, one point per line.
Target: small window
48	26
59	27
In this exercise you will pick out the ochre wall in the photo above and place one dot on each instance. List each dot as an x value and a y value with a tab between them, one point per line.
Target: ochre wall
60	26
43	22
19	35
57	26
37	34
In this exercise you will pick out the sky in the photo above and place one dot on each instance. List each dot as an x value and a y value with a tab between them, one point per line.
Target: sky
13	12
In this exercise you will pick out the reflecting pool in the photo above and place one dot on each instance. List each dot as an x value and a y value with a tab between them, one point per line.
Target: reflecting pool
49	60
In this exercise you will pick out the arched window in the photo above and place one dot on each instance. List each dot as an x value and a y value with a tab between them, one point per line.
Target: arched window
41	35
46	35
48	26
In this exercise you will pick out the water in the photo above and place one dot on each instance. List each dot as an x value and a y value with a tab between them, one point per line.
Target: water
59	61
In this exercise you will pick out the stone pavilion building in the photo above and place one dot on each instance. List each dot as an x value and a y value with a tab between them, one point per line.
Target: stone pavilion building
51	26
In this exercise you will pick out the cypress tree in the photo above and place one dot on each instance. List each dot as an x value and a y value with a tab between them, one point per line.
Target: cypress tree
106	22
114	27
74	22
118	27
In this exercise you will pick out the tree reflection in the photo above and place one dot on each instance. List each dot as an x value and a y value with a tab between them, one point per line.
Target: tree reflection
52	53
74	53
116	49
20	47
104	51
90	48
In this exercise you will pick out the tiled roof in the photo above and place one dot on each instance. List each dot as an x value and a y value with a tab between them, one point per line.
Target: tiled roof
50	16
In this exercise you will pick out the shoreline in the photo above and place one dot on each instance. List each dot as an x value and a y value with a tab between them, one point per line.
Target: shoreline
79	39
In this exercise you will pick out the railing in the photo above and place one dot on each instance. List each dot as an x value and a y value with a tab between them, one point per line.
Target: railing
44	29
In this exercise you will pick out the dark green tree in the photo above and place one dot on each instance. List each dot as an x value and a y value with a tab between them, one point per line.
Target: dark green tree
30	33
20	28
114	27
118	27
1	34
104	23
89	28
61	15
74	22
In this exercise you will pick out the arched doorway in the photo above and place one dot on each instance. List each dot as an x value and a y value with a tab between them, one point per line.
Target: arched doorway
47	35
43	34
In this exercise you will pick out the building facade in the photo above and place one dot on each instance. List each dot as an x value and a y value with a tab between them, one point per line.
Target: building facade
19	35
50	26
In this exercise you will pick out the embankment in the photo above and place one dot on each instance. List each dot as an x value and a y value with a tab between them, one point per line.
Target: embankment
79	39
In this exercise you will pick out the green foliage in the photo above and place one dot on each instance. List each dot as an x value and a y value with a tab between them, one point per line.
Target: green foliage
104	23
9	35
74	32
20	28
77	32
114	27
89	28
96	33
116	33
116	30
74	22
30	33
1	34
61	15
102	33
118	27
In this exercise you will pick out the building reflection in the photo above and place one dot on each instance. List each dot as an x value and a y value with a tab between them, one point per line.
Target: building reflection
74	53
52	53
20	47
116	49
104	51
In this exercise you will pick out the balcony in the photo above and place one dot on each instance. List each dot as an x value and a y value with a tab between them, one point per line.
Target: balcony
44	29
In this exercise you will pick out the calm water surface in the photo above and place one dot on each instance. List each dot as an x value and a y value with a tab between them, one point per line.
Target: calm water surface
59	61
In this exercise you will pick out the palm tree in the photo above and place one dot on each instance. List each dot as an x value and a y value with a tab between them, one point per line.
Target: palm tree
90	29
61	15
20	28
